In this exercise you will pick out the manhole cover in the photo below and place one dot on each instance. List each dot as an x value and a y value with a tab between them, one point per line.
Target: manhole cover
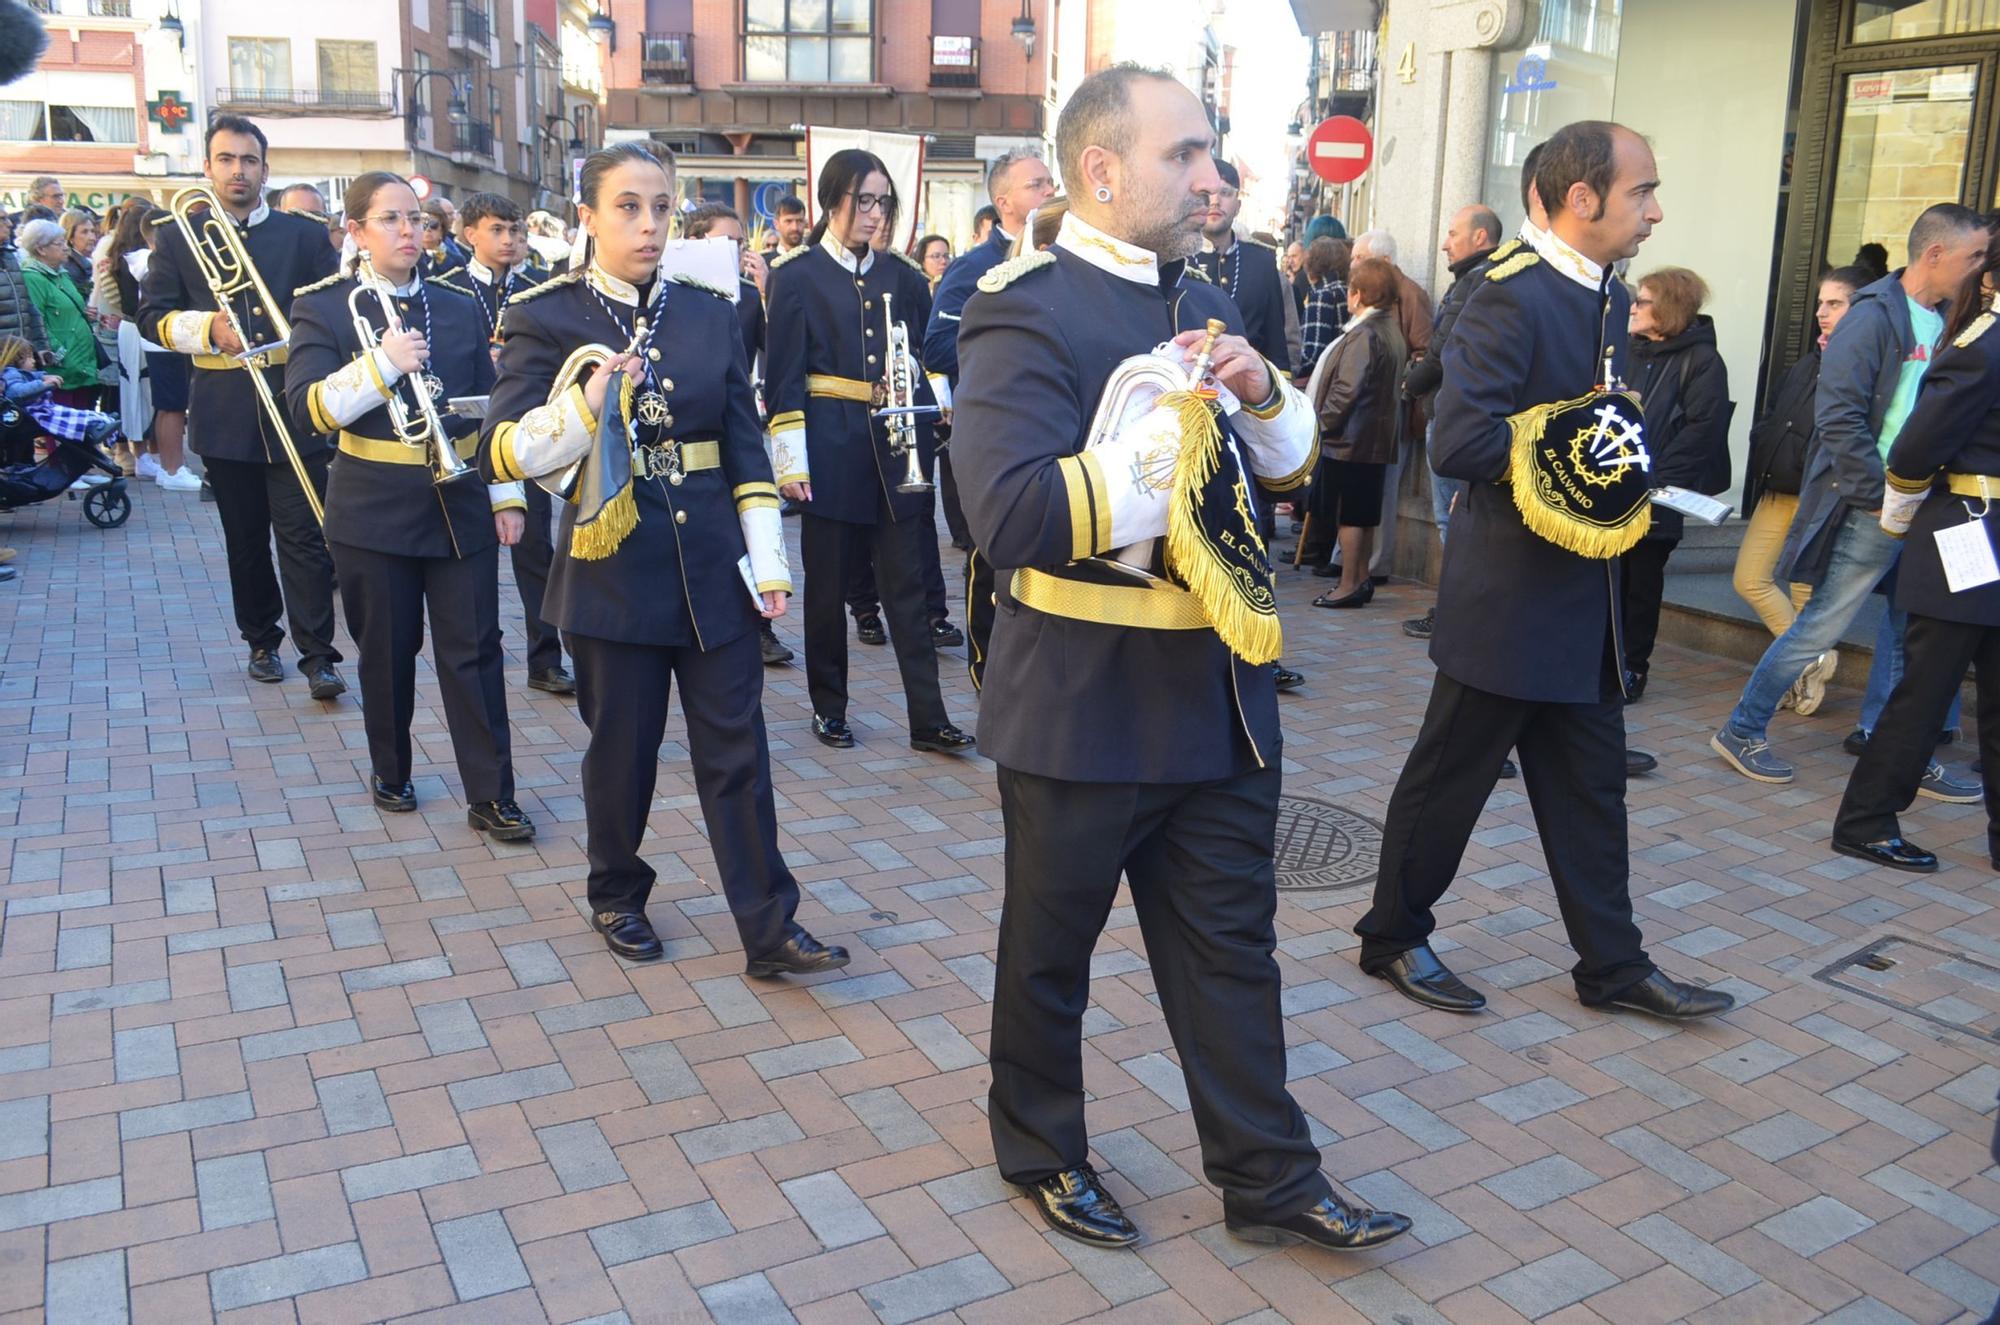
1322	846
1945	988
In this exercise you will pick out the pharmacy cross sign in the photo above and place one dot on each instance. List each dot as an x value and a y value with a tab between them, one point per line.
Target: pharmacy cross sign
168	111
1340	149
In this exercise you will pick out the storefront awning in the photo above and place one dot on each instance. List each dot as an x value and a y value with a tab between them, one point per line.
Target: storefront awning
1334	15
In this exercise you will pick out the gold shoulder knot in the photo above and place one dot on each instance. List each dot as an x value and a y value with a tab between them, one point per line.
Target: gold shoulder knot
915	266
1513	266
1196	270
537	291
1503	252
451	286
334	279
1013	269
1258	243
696	283
783	258
1978	327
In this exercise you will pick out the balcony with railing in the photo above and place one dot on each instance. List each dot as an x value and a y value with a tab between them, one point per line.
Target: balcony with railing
325	99
471	28
954	62
472	140
666	59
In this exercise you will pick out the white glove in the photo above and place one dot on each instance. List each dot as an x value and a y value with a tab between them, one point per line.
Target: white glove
1899	509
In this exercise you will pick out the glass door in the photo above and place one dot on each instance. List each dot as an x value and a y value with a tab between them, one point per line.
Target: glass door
1902	144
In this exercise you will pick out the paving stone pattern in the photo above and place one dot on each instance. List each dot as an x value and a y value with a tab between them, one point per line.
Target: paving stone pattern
267	1055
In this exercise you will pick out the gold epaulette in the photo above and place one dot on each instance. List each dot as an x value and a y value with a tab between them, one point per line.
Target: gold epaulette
697	283
1013	269
1520	262
446	274
455	289
1503	252
915	266
1196	270
552	283
1977	328
319	285
1258	243
783	258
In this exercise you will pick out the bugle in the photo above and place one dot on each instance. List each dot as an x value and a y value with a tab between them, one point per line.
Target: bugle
229	270
426	428
900	410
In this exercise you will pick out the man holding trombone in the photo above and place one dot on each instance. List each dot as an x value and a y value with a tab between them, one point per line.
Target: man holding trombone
220	279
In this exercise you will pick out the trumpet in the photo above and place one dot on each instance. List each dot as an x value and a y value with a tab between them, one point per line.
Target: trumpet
228	269
426	429
900	410
562	482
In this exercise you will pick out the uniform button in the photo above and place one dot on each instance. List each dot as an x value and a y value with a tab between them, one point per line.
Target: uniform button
871	358
680	517
654	355
674	479
869	332
868	303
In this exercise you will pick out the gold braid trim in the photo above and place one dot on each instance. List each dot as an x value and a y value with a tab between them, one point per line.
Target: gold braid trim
1255	636
619	516
1544	518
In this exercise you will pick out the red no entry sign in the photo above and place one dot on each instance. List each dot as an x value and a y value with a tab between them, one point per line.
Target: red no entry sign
1340	149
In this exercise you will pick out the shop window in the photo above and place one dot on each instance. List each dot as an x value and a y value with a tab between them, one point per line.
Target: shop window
1904	135
260	65
807	41
1909	20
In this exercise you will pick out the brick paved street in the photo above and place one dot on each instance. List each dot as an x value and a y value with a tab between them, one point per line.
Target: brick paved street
268	1056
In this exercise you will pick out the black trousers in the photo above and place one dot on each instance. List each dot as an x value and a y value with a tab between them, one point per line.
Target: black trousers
830	550
954	512
259	504
1573	763
1198	856
1884	782
622	692
979	613
532	557
385	596
1643	573
864	599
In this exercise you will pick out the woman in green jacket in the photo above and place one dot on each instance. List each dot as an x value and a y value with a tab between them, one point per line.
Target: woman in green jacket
43	250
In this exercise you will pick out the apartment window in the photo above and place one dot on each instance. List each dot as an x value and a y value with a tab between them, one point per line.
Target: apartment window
57	122
348	69
260	64
807	41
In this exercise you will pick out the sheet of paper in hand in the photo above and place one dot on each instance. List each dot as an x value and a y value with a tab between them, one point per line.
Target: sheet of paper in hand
1692	504
1967	554
710	261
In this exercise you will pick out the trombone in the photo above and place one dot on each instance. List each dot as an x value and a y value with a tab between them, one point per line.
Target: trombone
900	410
427	428
226	265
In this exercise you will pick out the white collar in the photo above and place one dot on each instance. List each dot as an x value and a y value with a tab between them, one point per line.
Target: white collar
840	253
1526	234
613	287
480	272
257	217
415	283
1141	266
1567	260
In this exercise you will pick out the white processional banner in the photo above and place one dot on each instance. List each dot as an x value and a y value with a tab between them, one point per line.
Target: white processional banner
903	153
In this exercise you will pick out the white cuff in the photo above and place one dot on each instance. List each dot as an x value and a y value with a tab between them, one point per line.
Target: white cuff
352	391
1119	492
1280	437
187	333
547	438
764	535
1899	509
507	496
788	449
941	388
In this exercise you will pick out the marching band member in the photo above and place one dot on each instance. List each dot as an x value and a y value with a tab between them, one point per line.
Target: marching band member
401	541
257	492
494	273
654	583
1133	721
827	366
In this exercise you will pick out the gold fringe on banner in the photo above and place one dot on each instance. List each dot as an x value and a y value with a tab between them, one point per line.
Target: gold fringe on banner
1542	505
618	517
1242	612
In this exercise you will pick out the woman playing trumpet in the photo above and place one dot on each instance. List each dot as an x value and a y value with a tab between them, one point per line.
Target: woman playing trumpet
674	586
375	355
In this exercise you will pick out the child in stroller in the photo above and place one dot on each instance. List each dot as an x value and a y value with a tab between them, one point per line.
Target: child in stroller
76	462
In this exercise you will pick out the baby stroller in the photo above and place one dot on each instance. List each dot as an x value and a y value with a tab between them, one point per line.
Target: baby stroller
24	481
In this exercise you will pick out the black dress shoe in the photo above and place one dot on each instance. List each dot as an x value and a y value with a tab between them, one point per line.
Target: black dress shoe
833	732
326	682
555	680
944	635
1894	852
1359	598
1076	1205
1507	769
869	629
1662	996
945	740
1856	742
1635	686
1638	761
1419	975
628	935
264	666
1333	1224
397	798
801	954
774	650
1286	678
502	821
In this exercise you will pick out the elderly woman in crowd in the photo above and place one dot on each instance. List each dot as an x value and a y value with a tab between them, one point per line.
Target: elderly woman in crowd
44	251
1355	393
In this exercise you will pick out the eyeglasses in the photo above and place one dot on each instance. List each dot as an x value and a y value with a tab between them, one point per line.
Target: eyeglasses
872	202
393	221
1642	303
1225	195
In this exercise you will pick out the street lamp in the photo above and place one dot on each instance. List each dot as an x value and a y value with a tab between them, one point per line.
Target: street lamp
1023	30
604	28
454	107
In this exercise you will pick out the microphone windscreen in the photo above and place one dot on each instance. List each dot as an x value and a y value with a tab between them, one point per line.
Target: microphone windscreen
22	40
